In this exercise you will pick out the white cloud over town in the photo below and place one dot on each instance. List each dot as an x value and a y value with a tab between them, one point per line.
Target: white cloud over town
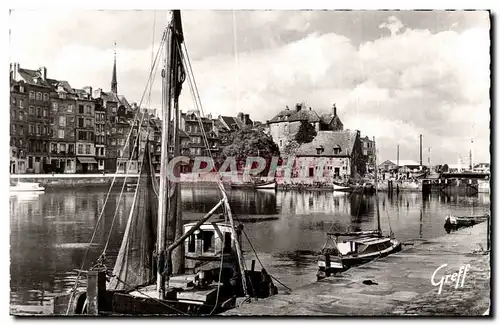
394	81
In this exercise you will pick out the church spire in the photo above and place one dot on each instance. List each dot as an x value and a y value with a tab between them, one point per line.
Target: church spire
114	84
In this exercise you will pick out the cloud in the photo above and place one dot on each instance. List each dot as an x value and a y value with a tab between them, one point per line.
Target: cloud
393	24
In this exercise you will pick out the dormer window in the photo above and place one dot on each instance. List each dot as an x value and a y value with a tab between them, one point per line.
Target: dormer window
337	150
320	150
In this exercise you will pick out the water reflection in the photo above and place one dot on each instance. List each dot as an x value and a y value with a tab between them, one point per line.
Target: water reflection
48	230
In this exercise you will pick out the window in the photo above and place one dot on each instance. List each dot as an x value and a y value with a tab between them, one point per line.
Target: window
53	147
38	129
21	130
336	151
21	103
80	122
62	95
45	112
45	97
30	129
113	142
80	109
21	89
54	105
45	131
13	102
113	109
60	134
38	96
71	120
80	148
70	108
62	120
82	135
113	130
32	95
62	147
38	111
32	110
71	148
88	122
21	116
87	149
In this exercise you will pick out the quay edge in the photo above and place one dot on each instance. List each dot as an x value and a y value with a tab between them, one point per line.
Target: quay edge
401	284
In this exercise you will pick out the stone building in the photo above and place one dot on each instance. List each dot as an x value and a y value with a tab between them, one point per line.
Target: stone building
285	125
332	155
18	127
85	131
63	125
34	83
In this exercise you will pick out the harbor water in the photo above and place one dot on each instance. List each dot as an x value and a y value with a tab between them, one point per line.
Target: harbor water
50	231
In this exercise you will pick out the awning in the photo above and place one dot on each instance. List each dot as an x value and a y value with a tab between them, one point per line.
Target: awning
87	160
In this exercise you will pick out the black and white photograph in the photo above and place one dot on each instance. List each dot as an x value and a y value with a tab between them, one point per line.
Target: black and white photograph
249	162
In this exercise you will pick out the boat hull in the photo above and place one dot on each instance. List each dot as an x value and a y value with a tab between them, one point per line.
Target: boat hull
266	186
344	262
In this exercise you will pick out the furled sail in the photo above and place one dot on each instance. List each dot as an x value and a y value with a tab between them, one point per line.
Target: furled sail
135	264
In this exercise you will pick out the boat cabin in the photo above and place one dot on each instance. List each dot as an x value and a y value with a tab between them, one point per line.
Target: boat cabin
363	246
203	249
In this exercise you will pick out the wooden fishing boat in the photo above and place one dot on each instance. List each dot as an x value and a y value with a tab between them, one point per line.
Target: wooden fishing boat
164	266
455	222
358	247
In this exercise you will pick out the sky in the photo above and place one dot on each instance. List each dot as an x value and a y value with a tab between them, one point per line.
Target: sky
393	75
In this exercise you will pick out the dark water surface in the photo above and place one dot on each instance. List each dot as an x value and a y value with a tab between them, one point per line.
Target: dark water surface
49	231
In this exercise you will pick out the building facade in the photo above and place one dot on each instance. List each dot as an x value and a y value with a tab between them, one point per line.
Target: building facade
63	124
18	127
331	156
34	83
85	132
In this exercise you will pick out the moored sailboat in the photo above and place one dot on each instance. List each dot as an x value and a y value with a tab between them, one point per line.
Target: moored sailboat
165	266
359	247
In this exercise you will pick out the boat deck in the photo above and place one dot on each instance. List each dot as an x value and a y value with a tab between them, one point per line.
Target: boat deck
399	284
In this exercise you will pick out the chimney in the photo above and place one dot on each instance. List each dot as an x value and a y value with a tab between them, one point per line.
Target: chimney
334	109
43	72
209	116
240	116
98	93
247	118
88	90
15	71
298	107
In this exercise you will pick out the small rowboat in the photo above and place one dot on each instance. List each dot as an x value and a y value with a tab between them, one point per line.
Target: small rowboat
266	186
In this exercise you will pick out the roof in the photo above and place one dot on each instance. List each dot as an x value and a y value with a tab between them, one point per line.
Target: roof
402	162
109	97
305	115
123	101
328	140
229	121
284	115
32	77
291	115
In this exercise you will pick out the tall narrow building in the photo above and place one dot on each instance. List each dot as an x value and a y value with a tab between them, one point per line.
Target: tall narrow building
114	83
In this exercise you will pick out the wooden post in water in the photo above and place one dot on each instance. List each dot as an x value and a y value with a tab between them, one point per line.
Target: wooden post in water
96	286
376	187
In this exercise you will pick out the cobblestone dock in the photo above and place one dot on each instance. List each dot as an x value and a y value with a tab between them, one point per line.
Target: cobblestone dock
401	284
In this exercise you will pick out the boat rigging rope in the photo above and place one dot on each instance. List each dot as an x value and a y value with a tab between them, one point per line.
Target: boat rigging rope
75	286
262	265
136	145
220	268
